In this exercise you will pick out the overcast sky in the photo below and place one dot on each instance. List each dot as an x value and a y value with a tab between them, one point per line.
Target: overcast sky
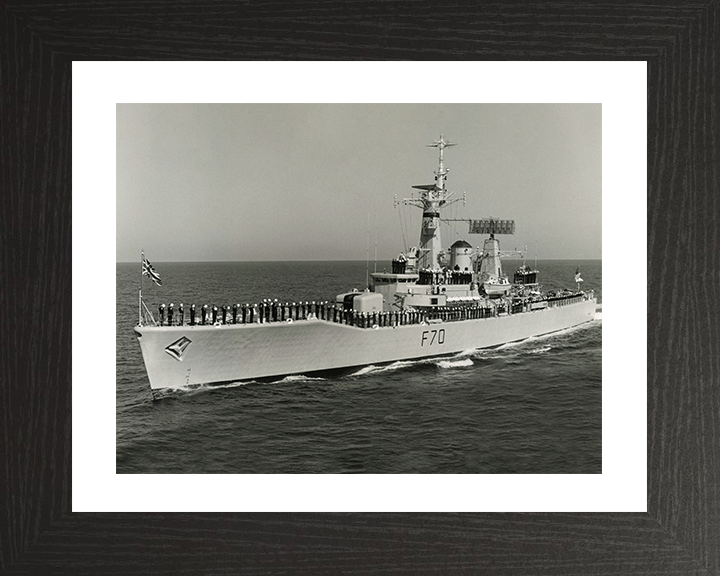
241	182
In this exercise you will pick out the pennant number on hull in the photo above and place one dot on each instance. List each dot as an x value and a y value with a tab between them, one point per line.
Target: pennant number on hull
430	337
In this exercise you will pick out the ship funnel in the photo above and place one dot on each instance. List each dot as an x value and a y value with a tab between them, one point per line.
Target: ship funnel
460	253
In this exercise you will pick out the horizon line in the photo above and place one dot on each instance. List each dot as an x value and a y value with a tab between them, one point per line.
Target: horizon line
313	260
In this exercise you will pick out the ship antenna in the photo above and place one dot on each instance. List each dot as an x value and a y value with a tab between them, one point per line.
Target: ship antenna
367	254
402	226
142	258
441	173
375	263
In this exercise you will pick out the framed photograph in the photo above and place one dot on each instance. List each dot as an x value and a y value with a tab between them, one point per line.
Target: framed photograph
382	466
69	507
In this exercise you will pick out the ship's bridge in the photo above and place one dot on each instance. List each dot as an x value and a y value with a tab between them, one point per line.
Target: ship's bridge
388	284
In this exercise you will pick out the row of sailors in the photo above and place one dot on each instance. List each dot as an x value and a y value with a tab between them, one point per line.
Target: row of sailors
273	311
267	311
435	277
565	300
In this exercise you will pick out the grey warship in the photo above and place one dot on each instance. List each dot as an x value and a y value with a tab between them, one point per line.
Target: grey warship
435	302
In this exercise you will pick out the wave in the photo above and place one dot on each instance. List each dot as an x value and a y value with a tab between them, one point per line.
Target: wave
299	378
465	353
366	370
463	358
372	369
195	388
560	333
204	387
457	360
455	363
532	345
540	350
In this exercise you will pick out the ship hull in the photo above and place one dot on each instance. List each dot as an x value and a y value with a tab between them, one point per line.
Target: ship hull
182	356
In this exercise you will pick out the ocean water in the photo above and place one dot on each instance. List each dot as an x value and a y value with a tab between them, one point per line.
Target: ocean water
533	407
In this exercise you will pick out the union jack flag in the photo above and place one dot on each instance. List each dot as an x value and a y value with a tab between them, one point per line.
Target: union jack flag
148	270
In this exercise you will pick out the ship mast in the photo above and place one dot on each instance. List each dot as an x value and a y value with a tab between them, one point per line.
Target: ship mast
432	198
441	173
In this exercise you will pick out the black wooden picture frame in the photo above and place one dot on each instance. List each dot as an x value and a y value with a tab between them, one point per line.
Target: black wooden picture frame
681	530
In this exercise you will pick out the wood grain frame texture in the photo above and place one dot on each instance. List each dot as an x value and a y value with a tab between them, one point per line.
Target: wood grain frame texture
681	530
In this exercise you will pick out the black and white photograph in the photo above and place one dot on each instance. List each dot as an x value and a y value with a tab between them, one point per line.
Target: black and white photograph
359	288
292	164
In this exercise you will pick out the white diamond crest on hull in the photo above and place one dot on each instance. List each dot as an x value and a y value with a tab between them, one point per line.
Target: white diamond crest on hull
177	348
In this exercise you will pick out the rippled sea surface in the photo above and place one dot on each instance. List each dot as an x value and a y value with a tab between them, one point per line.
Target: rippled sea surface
532	407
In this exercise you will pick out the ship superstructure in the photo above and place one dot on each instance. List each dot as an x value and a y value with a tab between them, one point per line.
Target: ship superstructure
433	302
428	276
